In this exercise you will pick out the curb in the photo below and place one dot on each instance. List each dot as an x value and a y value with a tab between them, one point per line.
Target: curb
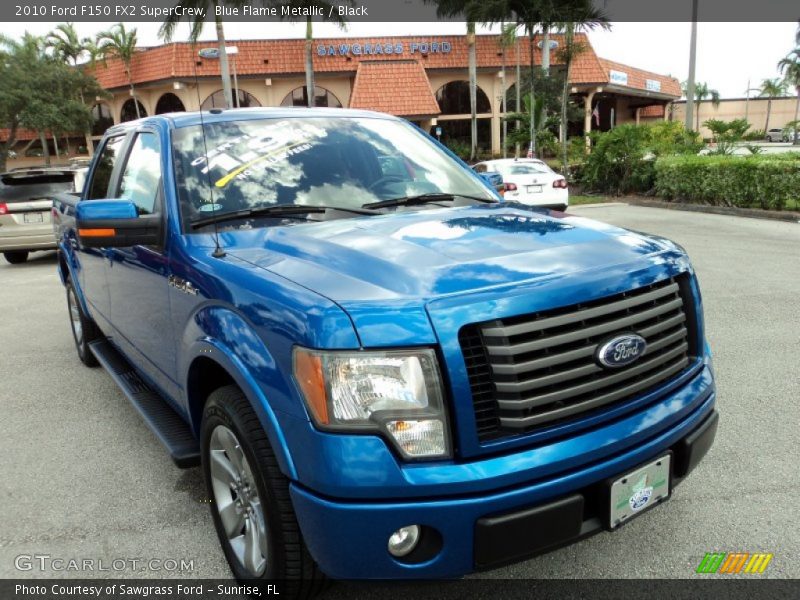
752	213
596	204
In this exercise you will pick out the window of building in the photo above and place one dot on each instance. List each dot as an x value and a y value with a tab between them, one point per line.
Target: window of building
101	118
322	97
453	99
217	100
168	103
142	174
128	112
101	179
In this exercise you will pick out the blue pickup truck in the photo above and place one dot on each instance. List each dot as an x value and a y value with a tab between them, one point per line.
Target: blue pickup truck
384	370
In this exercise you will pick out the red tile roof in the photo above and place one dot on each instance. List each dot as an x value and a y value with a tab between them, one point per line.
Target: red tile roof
637	78
284	57
411	95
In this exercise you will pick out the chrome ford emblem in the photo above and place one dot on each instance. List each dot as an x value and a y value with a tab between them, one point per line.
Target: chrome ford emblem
621	350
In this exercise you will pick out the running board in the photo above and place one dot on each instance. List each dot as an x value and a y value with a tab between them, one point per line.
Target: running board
168	426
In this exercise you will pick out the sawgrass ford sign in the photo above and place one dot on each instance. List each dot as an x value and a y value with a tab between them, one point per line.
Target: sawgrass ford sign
380	48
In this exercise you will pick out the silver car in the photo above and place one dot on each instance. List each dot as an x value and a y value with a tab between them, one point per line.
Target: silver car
25	205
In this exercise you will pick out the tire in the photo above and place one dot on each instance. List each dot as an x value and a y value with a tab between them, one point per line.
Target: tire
83	328
16	257
284	554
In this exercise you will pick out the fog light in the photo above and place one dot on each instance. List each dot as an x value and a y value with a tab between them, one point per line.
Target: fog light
404	540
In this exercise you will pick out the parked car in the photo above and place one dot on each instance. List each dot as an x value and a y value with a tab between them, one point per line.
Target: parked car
383	370
776	134
26	198
529	181
494	179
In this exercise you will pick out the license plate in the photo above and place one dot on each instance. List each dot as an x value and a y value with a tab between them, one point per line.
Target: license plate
33	218
534	189
632	493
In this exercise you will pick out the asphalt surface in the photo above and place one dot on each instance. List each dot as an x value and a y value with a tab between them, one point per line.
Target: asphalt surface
82	476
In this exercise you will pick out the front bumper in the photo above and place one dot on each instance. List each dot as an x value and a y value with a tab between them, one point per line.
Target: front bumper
348	539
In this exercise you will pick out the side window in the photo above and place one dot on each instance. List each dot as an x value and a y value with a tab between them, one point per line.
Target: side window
101	179
142	175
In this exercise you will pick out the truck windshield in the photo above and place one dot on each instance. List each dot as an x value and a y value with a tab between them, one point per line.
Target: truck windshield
316	161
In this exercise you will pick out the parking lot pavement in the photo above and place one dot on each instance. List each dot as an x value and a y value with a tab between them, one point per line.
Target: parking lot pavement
84	478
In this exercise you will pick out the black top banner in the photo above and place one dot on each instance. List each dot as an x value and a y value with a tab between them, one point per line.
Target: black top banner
372	10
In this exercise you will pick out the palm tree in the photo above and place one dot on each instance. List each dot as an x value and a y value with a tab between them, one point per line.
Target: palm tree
580	16
167	31
472	11
65	44
771	88
330	13
529	15
789	67
701	92
509	38
120	43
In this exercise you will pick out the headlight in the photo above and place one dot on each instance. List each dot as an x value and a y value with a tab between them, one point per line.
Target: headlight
397	392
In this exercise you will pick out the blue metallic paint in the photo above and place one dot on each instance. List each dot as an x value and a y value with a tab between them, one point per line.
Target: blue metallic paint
402	279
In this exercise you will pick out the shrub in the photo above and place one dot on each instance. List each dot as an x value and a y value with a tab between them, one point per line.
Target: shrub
757	135
622	159
763	181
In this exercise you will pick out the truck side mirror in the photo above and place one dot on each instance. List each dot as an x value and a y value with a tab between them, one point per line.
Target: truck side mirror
115	224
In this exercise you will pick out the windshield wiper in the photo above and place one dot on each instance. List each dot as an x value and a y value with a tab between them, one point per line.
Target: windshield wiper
277	210
424	199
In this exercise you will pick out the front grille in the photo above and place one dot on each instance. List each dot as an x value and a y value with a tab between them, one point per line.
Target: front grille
538	369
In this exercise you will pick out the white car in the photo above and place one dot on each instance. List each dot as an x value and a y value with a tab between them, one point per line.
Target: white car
529	181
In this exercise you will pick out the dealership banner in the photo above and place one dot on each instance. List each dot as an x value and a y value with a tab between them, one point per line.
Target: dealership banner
367	10
509	589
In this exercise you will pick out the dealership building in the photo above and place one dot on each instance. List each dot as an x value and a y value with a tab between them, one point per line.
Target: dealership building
420	78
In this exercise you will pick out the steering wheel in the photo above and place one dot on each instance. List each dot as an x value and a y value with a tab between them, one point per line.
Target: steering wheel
381	181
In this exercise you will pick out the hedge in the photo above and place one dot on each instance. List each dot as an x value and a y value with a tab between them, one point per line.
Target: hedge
761	181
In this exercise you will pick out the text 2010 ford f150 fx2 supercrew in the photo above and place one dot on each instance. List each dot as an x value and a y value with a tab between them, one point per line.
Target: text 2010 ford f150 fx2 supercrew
385	371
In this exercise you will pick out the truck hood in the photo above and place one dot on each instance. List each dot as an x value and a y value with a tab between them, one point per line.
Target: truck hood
421	255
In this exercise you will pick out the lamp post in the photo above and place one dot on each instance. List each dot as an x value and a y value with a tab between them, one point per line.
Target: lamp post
692	60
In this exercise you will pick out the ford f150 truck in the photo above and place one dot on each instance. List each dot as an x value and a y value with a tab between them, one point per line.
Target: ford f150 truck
384	370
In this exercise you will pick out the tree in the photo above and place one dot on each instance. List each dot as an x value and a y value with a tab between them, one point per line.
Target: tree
580	15
329	13
789	67
727	133
771	88
40	92
120	43
167	31
65	44
472	11
509	38
701	92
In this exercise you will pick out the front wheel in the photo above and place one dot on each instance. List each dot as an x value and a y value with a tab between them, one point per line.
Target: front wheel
83	328
16	257
251	507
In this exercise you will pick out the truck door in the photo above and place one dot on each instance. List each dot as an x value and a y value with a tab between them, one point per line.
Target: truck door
92	274
137	276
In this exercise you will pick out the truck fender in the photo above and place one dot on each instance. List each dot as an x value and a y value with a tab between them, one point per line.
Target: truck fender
66	270
211	336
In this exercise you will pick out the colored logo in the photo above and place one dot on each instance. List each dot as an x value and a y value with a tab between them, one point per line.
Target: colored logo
734	563
621	350
641	494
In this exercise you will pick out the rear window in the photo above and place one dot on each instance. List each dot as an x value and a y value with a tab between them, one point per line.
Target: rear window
23	187
522	169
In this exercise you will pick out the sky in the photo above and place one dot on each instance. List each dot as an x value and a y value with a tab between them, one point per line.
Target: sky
728	54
